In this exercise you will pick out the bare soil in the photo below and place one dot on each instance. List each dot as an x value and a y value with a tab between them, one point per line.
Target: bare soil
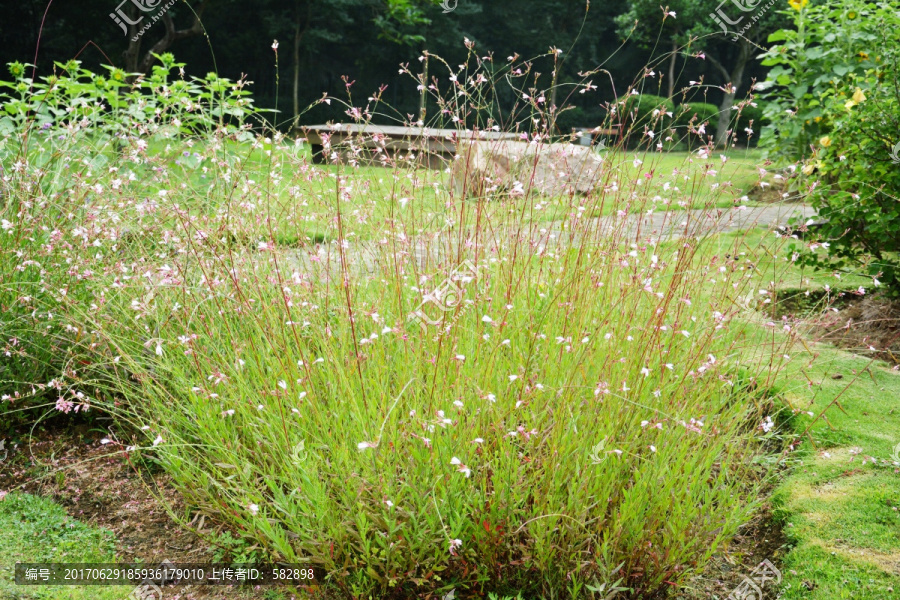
97	484
867	325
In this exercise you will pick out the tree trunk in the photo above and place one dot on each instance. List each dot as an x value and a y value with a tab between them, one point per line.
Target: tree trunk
423	102
722	129
733	82
142	66
298	37
672	69
133	52
297	69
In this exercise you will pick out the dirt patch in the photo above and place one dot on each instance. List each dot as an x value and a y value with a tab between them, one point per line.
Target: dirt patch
97	484
761	539
868	326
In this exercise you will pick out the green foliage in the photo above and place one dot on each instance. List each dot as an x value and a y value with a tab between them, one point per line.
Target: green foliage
691	20
838	73
37	530
56	131
816	63
111	104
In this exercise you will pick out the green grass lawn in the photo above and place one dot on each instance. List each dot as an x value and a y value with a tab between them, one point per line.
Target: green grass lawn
274	192
35	530
838	506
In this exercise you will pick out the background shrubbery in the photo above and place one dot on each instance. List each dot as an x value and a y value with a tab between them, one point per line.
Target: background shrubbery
835	103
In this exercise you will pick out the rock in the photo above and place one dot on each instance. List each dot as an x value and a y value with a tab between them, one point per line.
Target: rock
484	167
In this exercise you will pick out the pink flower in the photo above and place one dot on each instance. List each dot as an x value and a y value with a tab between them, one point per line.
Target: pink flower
454	546
461	468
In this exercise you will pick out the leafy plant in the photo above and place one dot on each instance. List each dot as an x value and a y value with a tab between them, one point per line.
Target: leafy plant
835	103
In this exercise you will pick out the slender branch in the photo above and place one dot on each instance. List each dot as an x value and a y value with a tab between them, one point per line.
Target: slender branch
172	36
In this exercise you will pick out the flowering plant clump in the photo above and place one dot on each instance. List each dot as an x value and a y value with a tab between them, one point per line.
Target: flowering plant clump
574	411
836	92
83	126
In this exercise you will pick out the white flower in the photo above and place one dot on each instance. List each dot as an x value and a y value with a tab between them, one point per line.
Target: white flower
486	319
364	445
454	546
275	45
460	467
254	509
158	440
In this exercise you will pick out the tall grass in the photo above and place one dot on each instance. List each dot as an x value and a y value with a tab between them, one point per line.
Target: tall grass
576	408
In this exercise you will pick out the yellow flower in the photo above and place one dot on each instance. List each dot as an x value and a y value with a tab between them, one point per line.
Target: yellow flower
825	141
851	15
798	4
810	168
857	98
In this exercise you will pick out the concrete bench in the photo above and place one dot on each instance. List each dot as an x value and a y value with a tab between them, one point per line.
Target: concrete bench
379	144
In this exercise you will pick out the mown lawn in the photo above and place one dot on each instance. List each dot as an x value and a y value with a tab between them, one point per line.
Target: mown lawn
839	499
839	504
37	530
293	206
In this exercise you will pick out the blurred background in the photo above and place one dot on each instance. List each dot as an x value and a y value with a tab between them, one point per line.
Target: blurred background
366	41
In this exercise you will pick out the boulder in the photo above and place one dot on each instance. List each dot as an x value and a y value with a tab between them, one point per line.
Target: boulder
483	168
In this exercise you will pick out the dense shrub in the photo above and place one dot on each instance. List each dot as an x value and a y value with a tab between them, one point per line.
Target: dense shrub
838	73
578	117
749	122
644	109
646	112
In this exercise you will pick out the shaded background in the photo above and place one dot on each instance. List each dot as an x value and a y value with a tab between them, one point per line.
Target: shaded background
364	40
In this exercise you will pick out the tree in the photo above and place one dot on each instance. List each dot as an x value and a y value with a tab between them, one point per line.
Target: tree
134	62
703	25
316	25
